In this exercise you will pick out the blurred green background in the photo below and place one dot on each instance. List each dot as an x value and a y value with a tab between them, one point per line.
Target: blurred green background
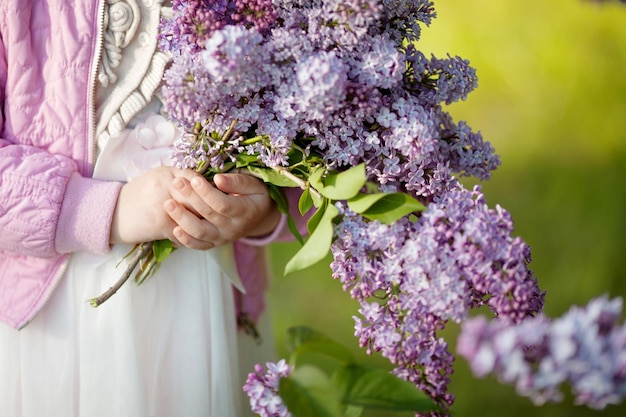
552	101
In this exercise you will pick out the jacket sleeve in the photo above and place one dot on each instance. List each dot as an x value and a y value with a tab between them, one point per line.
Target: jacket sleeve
46	207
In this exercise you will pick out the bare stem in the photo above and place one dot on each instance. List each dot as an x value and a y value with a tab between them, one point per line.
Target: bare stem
144	250
282	171
301	183
230	130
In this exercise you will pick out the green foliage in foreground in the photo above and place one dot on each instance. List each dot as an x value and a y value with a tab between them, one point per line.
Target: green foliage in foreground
327	381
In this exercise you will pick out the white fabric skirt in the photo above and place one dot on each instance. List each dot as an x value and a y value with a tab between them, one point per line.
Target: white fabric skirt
167	348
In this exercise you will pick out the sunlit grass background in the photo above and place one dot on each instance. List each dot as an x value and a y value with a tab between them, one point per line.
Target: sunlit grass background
552	101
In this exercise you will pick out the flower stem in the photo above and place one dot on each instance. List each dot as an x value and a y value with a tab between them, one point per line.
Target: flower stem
144	250
254	139
301	183
230	130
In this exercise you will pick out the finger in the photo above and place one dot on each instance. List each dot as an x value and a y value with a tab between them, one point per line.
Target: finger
189	241
183	193
219	208
202	199
240	184
190	230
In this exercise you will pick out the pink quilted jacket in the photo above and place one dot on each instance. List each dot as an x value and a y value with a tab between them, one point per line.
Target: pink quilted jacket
49	204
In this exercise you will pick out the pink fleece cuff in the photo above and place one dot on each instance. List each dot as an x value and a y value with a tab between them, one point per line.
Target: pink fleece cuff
86	215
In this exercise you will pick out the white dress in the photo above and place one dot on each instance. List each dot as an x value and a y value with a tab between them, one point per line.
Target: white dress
167	348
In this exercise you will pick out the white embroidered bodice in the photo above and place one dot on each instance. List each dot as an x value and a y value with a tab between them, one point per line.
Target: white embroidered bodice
131	66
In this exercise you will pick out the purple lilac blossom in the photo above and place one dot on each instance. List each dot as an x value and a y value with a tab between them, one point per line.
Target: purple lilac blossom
195	21
193	151
338	79
584	348
262	389
231	58
187	93
455	78
411	277
363	100
357	15
379	63
321	83
401	18
259	14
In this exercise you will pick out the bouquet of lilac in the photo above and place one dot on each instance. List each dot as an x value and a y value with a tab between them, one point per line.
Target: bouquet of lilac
333	97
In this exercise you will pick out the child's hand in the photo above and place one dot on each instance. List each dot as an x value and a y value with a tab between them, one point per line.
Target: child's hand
206	216
139	215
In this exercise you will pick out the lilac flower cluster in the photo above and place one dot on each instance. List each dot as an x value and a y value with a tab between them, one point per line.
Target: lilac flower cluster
344	81
583	348
262	389
195	21
205	150
336	71
411	277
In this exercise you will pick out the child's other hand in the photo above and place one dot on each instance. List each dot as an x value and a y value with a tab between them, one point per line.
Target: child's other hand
206	216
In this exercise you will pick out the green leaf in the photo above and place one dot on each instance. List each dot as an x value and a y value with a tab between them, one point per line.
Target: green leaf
327	355
317	246
295	156
297	335
278	195
315	177
314	220
162	249
293	228
376	388
300	338
243	160
271	176
384	207
308	346
318	200
307	392
353	411
305	202
345	184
